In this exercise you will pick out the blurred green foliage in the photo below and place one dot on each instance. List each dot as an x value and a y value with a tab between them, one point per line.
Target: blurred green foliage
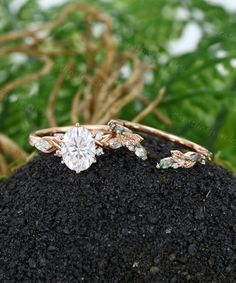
201	84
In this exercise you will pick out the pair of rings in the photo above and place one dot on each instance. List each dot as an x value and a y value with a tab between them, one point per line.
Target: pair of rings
78	146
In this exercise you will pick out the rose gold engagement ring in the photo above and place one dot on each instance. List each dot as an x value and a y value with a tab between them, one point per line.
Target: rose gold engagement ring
79	145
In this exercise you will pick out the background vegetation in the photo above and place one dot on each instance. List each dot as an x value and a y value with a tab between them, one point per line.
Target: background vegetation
200	85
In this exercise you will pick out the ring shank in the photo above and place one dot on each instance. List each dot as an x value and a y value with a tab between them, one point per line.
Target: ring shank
167	136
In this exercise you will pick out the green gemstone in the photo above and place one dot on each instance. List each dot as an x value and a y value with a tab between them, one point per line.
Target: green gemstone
119	129
166	163
196	157
140	151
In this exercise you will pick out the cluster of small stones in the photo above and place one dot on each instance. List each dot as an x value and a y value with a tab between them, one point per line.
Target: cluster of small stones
124	137
98	137
181	160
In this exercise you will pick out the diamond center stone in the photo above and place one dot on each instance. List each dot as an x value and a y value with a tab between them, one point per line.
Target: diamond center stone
78	149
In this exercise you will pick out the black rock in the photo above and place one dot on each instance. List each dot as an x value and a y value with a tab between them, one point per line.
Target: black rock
122	220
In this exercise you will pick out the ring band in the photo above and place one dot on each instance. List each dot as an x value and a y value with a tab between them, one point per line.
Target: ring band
79	145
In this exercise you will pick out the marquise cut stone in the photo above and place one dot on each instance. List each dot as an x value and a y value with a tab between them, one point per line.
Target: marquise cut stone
78	149
43	145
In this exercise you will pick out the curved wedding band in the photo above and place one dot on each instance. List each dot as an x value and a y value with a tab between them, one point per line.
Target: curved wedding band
79	145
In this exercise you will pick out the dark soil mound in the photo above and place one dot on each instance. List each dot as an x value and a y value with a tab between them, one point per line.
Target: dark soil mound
122	220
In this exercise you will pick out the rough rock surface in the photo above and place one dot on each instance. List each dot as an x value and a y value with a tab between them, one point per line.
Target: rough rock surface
122	220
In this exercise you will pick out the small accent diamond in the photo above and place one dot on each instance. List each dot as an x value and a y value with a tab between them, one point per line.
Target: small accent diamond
59	136
129	145
99	151
43	145
114	144
99	135
112	125
58	153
